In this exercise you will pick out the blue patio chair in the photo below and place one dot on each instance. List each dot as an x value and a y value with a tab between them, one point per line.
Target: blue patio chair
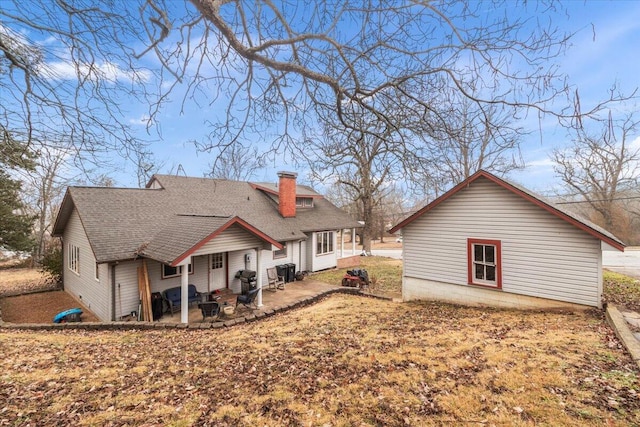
248	299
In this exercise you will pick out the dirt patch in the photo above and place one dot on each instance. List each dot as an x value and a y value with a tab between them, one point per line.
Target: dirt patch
40	307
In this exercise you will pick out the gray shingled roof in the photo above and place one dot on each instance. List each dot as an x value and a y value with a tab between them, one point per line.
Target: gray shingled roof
164	223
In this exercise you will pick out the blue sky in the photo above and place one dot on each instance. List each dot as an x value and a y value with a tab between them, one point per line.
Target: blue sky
604	51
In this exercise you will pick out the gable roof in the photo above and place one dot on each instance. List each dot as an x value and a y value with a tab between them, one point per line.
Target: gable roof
180	214
553	209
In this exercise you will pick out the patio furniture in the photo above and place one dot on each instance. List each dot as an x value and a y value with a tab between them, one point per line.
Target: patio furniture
209	309
173	297
248	299
275	281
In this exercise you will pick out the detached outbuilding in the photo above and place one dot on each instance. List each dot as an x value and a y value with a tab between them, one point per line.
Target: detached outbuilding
491	242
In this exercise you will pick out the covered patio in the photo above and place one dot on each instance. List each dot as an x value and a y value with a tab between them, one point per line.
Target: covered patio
293	293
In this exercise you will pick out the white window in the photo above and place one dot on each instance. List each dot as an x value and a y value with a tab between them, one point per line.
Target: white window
216	261
324	243
304	202
97	271
73	258
484	262
168	271
280	253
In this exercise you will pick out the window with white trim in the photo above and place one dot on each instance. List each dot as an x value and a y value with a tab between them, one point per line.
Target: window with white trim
324	242
484	262
280	253
97	271
73	258
168	271
216	261
304	202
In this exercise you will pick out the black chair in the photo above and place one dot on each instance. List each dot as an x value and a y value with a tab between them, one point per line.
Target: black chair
248	299
209	309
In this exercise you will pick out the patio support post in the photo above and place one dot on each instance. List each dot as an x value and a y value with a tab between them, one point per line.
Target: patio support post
184	292
353	241
342	243
259	276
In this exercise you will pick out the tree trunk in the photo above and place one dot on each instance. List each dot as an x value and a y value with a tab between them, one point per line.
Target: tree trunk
367	230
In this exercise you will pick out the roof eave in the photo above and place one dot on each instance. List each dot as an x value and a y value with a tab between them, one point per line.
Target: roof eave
481	173
235	220
64	212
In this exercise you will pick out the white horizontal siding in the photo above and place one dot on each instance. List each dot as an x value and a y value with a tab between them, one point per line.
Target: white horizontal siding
94	294
542	255
232	239
322	262
199	277
127	296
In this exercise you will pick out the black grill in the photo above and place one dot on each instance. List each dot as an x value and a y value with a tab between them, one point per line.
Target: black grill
247	280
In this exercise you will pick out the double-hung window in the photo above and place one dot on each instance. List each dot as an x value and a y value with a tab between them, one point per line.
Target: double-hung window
324	242
73	258
484	262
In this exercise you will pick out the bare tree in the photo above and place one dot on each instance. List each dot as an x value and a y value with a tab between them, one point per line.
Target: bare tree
601	166
365	159
470	138
266	63
42	191
237	163
67	84
369	70
289	61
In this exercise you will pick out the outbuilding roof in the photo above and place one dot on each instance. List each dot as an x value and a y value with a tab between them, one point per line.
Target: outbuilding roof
175	214
554	209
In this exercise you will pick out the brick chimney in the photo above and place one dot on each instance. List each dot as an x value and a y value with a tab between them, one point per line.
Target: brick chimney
287	194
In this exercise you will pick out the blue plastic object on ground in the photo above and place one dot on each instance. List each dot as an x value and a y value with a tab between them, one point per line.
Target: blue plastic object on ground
62	316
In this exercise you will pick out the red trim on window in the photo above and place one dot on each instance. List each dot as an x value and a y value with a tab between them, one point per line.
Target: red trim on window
470	275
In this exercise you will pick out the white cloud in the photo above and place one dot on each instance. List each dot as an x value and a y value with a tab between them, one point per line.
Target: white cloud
67	70
143	120
541	163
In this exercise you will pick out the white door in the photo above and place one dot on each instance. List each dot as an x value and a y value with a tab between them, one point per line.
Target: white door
217	279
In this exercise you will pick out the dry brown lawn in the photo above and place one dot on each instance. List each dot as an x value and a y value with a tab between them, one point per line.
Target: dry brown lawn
17	280
346	361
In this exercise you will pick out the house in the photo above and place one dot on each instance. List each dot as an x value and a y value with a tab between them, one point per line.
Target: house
190	231
491	242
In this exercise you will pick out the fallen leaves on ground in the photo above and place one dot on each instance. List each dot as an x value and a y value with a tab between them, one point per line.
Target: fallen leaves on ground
624	291
18	281
40	307
347	360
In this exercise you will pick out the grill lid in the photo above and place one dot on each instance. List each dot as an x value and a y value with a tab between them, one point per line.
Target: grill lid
247	274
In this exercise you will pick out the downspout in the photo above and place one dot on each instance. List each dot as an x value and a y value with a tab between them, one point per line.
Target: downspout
226	269
209	273
64	261
113	292
259	275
